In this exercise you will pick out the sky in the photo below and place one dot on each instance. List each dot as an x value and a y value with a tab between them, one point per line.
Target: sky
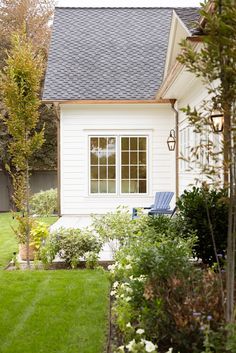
128	3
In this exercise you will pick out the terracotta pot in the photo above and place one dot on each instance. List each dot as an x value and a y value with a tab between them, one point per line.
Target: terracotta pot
23	252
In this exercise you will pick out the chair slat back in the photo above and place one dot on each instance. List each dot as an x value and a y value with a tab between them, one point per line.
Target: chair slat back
162	200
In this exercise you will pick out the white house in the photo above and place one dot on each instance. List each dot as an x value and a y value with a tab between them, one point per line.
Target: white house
114	80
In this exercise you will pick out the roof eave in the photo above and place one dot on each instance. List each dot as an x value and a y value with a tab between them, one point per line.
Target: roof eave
95	101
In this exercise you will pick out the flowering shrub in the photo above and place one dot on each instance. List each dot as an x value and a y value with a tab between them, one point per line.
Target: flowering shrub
72	244
158	290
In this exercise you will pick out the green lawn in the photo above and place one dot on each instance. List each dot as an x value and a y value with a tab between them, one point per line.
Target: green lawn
50	311
8	243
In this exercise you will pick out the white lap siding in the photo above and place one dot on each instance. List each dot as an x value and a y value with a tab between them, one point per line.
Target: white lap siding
78	122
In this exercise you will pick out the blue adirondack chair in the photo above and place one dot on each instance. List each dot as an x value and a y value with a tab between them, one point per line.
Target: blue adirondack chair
161	205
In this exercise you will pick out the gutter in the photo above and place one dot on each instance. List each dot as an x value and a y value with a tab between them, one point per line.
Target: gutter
56	107
176	147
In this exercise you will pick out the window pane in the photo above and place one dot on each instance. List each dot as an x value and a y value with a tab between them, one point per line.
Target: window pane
103	164
103	172
125	143
94	157
142	157
111	157
103	187
133	172
133	143
102	158
142	172
94	186
134	164
142	143
94	144
125	172
111	172
133	186
102	143
94	172
111	144
142	186
125	186
111	186
125	158
133	157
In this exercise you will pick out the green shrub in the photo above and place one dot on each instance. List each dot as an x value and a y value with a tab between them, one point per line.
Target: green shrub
44	203
158	289
72	244
193	207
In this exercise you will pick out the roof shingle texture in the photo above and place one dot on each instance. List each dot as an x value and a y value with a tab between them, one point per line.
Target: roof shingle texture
108	53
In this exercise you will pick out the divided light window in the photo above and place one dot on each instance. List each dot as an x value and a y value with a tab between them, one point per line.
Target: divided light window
134	165
103	165
131	163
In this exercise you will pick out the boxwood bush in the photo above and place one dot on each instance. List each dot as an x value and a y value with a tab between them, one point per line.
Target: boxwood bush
193	205
44	203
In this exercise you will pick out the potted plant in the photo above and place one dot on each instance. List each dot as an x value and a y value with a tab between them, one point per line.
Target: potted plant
38	233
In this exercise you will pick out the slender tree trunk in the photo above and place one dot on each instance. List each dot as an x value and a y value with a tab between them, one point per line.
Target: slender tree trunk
27	213
230	269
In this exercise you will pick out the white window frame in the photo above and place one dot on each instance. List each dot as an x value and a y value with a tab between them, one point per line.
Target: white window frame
89	159
147	165
118	135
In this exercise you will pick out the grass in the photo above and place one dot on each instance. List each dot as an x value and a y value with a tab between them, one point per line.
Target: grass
53	311
50	311
8	242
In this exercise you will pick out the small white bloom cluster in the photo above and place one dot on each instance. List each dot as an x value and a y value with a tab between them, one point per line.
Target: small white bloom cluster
141	278
170	350
148	345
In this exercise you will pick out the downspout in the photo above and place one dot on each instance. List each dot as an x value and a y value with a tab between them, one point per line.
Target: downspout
172	101
57	111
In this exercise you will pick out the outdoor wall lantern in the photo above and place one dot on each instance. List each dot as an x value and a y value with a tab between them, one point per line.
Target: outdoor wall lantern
217	118
171	141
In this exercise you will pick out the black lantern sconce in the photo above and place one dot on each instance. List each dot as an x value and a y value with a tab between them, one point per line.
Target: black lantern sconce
171	141
217	118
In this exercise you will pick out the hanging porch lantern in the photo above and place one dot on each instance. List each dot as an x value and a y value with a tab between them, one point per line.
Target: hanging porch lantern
217	118
171	141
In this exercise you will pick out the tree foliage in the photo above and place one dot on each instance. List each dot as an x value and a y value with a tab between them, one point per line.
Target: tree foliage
215	64
35	16
20	84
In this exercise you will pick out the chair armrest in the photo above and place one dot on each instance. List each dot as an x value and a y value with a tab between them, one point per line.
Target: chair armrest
148	208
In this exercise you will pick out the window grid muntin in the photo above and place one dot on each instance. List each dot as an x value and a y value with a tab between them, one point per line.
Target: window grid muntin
104	181
138	165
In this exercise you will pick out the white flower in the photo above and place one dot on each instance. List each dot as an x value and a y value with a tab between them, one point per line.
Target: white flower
113	292
128	299
140	331
128	267
149	346
170	350
121	349
128	325
111	267
130	345
115	284
131	277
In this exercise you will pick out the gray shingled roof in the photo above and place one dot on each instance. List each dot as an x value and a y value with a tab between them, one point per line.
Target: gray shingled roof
189	16
108	53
